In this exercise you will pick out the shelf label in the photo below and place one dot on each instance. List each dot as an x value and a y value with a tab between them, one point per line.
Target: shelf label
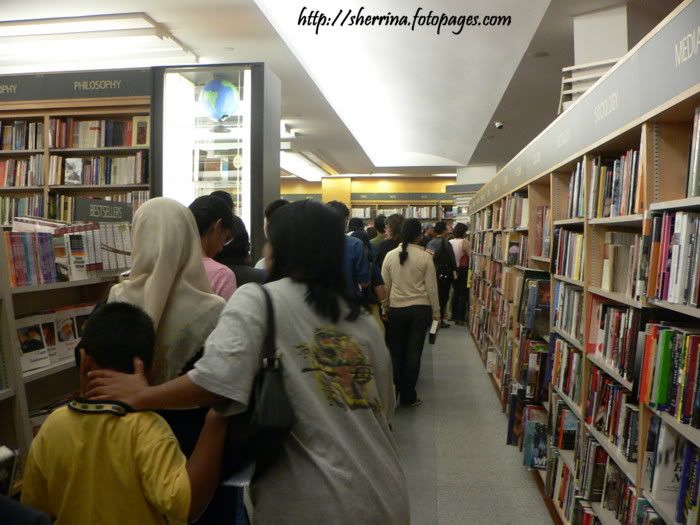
688	47
97	210
78	84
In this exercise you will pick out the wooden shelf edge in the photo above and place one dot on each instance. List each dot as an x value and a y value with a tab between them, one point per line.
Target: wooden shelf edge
629	469
575	408
568	280
568	338
616	296
661	508
64	284
692	434
632	219
40	373
568	222
680	308
606	517
677	204
608	369
6	393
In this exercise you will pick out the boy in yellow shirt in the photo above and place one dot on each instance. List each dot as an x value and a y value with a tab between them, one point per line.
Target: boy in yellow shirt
99	462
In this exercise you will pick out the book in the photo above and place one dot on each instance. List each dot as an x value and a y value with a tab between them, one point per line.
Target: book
33	350
73	174
665	484
141	133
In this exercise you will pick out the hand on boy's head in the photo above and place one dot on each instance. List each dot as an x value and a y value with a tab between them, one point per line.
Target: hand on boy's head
118	386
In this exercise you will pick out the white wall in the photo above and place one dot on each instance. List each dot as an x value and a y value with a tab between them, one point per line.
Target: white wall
600	35
475	174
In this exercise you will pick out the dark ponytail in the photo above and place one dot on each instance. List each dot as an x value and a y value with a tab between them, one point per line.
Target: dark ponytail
404	253
410	231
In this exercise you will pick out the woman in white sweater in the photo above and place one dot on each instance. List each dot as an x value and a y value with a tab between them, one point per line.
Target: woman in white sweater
410	305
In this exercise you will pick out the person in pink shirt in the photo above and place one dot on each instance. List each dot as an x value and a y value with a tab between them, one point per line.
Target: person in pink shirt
215	224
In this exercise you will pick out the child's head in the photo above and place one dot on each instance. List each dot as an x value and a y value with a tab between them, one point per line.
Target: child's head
114	335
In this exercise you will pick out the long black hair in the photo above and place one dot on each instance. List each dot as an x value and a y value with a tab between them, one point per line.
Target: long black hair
237	252
308	243
411	229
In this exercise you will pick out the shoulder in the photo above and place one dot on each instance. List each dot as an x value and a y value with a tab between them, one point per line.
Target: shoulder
148	426
217	268
57	420
353	242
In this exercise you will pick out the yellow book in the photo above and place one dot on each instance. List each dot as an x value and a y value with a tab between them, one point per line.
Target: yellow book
601	191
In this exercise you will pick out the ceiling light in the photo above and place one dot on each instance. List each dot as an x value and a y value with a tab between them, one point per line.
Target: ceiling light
286	131
299	165
103	41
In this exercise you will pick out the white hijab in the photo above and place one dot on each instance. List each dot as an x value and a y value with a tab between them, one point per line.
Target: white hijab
168	282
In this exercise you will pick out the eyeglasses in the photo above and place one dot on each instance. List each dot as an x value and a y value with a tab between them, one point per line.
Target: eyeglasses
228	241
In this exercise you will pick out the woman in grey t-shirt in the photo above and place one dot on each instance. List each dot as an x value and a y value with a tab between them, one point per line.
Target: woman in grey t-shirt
340	463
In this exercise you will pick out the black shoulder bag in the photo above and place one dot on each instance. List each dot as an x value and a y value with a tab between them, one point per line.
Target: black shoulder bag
258	434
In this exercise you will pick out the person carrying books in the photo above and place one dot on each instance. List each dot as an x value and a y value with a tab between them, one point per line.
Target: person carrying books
102	462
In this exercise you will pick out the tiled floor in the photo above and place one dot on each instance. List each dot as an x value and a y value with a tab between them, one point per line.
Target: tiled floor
458	467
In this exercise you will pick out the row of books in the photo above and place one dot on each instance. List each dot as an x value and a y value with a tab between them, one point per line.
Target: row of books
623	265
674	269
49	338
568	259
135	198
40	252
616	187
483	219
670	371
363	212
533	363
78	133
613	335
566	369
515	212
564	425
20	206
568	309
591	468
562	489
575	200
21	135
610	410
619	496
129	169
543	225
22	172
534	306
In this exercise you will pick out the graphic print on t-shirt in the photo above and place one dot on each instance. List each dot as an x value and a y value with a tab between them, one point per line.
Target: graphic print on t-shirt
341	368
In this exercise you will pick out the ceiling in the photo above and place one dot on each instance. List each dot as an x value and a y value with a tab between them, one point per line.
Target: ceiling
435	96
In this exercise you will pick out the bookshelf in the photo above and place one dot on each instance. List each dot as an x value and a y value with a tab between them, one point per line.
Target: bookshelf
604	267
23	393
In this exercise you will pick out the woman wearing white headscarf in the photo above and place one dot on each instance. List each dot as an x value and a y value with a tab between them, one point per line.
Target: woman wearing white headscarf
168	281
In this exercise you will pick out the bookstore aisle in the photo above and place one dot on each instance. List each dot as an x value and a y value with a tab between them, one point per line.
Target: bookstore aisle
453	446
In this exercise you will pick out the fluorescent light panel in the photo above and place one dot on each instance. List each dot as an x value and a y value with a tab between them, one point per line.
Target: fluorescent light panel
300	166
128	40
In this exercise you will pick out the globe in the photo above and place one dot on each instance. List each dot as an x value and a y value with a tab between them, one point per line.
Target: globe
219	99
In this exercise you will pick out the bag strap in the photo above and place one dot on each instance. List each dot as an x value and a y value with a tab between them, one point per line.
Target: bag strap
269	357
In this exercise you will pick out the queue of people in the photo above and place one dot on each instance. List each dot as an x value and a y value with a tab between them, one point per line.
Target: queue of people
177	348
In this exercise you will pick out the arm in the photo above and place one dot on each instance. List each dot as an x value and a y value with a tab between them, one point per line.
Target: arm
133	389
204	465
386	275
431	287
178	488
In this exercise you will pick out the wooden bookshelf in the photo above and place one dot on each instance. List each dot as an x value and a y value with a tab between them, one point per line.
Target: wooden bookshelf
22	393
661	137
575	407
666	511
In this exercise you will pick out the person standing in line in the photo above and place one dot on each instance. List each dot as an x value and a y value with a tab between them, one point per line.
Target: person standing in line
445	267
236	255
460	296
215	224
392	237
380	227
428	234
339	465
267	214
371	233
410	305
355	262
